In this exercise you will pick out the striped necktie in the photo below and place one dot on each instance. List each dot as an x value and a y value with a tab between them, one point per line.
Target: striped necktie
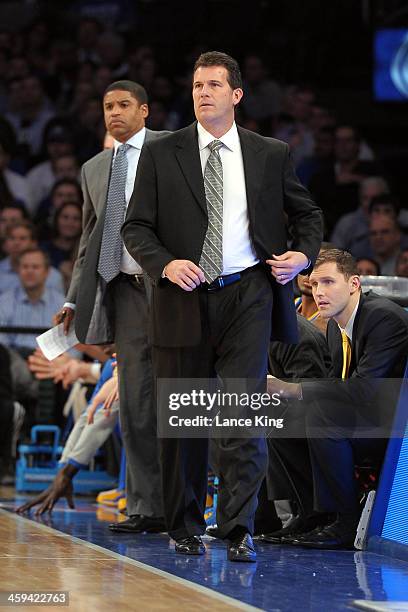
211	255
112	244
346	355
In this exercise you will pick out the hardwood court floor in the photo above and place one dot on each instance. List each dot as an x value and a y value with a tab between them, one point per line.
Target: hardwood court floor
74	550
34	557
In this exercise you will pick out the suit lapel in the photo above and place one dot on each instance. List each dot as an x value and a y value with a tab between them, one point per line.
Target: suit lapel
355	341
99	181
336	346
188	157
254	157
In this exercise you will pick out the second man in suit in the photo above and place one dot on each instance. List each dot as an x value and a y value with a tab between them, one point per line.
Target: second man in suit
348	417
107	299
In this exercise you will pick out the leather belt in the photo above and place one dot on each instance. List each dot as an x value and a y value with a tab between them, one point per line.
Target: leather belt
228	279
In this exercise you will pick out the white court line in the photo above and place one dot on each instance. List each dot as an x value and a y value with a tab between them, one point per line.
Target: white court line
154	570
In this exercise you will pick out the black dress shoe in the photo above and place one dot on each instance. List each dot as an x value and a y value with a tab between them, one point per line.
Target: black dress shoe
139	524
213	531
192	545
336	536
242	548
297	526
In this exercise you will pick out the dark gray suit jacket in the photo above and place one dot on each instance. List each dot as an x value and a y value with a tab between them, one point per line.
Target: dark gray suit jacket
167	219
92	321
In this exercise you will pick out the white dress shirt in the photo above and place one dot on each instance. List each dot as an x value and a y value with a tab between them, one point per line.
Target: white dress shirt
350	324
237	249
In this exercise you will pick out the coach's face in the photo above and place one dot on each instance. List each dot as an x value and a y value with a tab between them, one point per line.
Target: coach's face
124	116
214	99
332	291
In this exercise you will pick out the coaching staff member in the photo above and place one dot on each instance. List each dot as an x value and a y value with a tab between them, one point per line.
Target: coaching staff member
208	220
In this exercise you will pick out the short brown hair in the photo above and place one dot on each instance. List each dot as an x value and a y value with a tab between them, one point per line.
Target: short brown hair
217	58
345	262
24	223
45	255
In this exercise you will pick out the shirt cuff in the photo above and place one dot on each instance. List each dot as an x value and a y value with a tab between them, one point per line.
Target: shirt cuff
95	370
69	305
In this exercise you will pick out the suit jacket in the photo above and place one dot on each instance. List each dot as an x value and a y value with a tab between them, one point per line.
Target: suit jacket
167	219
92	321
379	354
308	359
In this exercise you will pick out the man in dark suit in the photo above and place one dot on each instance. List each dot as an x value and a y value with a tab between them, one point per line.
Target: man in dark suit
107	297
207	221
350	417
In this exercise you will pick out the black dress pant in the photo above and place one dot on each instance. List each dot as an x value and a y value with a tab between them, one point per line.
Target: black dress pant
334	455
236	326
137	410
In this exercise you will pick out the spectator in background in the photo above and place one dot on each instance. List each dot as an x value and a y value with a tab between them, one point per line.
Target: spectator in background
386	204
64	68
297	131
9	215
368	267
57	143
385	237
322	157
88	128
15	186
336	188
305	304
402	264
351	230
20	237
111	52
17	68
88	32
64	190
66	232
321	118
66	167
147	71
83	441
38	46
30	303
101	79
29	113
263	97
158	116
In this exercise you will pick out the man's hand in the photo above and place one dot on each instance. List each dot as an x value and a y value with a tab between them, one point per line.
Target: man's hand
65	316
44	369
285	390
184	273
107	395
61	487
72	370
286	266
